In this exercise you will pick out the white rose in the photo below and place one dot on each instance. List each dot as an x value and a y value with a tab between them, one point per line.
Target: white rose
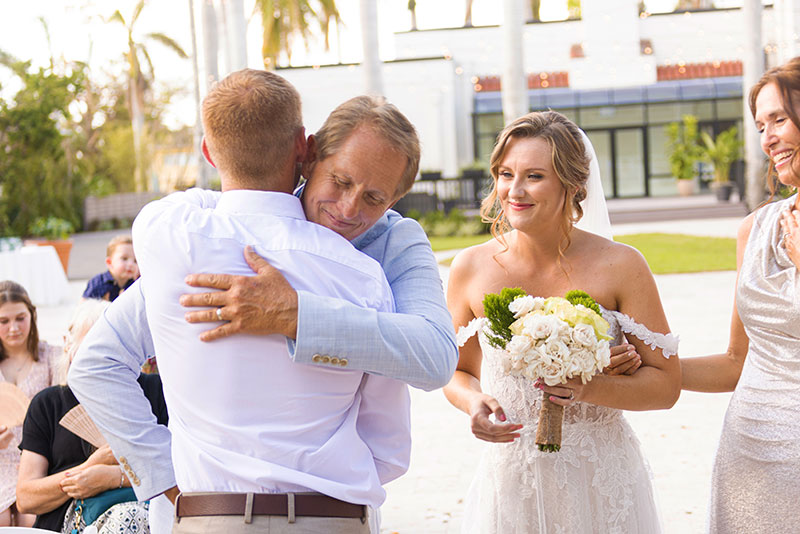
543	326
557	350
552	374
602	355
519	344
535	354
521	305
583	335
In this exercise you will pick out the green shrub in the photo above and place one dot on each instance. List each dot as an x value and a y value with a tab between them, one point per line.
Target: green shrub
52	228
455	223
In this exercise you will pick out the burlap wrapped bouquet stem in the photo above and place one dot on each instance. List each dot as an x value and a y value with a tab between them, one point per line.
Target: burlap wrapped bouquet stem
548	432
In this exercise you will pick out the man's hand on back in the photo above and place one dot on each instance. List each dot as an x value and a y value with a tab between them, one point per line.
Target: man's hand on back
262	304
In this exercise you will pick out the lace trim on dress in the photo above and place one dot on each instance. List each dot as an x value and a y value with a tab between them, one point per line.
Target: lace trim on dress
469	330
668	343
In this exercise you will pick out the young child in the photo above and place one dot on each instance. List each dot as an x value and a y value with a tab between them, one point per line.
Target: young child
122	271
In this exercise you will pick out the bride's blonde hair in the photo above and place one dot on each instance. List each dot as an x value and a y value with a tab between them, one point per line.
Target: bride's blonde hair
569	159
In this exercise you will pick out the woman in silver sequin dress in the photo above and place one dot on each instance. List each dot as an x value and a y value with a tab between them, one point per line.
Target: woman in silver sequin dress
756	477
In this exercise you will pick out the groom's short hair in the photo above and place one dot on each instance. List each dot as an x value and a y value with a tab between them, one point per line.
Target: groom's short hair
385	119
250	120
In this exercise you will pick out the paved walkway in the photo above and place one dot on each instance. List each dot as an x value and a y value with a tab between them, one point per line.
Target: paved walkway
679	443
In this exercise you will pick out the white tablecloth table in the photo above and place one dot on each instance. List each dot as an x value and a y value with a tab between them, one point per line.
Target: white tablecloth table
39	271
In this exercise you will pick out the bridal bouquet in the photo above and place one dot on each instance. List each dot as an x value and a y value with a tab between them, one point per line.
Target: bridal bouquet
551	339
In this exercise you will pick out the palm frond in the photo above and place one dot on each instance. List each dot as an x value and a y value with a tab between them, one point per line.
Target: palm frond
117	17
169	42
141	49
137	11
7	59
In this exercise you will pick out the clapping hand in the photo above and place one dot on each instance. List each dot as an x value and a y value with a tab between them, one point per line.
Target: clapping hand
6	437
484	428
790	224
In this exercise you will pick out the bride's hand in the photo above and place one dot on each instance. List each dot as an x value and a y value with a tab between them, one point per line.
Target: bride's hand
624	360
563	394
484	428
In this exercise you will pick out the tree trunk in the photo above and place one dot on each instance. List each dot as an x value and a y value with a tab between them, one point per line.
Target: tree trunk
753	68
136	96
468	14
369	40
513	83
210	44
202	171
237	34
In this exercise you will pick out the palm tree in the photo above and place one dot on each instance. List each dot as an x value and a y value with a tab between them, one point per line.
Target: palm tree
574	9
373	77
412	7
140	81
533	10
514	92
285	20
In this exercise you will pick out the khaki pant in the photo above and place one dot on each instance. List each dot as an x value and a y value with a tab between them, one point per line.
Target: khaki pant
269	524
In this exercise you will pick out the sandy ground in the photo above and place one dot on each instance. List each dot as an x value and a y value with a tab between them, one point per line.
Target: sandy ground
679	443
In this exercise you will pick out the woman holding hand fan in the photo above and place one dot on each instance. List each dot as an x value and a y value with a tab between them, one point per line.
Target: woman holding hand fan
598	480
62	467
24	370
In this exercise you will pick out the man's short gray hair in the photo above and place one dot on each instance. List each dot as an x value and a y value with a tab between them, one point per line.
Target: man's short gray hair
385	119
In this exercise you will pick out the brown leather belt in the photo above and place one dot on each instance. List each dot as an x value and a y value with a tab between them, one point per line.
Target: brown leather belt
314	504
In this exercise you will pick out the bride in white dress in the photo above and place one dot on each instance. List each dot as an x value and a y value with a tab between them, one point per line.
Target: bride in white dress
599	482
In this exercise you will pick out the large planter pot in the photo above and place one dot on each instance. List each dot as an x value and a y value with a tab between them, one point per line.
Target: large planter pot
62	246
685	188
723	191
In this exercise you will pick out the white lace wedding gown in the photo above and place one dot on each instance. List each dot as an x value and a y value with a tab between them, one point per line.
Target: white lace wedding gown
598	482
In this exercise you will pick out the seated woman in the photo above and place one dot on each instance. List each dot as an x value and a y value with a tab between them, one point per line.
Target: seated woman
57	466
25	361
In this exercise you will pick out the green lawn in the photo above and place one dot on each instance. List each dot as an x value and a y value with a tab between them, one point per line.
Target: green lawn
678	253
665	253
458	242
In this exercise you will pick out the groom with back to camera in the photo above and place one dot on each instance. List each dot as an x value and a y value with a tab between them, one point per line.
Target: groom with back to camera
270	443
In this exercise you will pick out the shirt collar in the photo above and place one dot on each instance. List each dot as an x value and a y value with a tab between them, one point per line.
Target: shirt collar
249	201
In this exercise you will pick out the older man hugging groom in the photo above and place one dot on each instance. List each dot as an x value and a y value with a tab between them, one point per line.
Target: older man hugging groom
267	436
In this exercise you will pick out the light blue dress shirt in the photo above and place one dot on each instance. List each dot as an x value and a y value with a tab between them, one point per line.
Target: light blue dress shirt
417	343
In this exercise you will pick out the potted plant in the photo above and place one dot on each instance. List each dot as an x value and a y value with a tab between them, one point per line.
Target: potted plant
54	232
683	152
476	169
721	153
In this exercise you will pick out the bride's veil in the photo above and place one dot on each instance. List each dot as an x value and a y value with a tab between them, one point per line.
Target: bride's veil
595	212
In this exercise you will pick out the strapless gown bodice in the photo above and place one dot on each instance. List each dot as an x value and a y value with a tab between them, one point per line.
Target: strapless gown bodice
599	482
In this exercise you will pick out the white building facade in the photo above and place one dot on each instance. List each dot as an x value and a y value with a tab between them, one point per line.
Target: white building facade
620	74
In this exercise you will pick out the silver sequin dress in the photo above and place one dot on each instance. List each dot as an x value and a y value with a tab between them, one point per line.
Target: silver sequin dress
756	478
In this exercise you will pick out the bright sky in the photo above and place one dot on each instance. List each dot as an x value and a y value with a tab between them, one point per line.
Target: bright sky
78	32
